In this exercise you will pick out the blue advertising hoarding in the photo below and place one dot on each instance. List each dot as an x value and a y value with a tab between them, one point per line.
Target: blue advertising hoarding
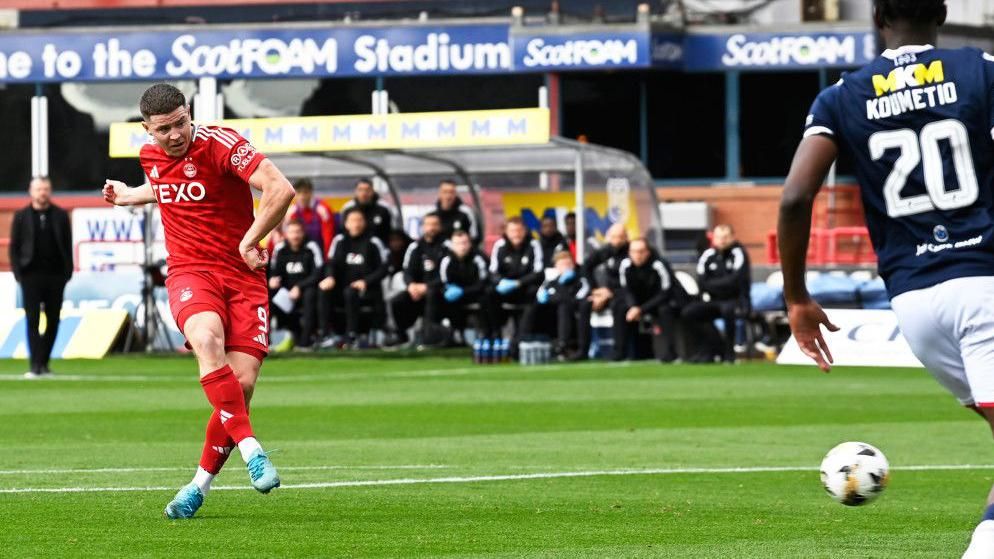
543	51
254	53
774	51
351	51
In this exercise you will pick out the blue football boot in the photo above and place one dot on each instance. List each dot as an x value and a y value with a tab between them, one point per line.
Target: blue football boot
186	502
262	472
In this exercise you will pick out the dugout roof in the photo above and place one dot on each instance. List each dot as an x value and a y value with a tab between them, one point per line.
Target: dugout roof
556	166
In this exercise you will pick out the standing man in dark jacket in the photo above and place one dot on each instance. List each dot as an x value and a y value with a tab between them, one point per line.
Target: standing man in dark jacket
601	267
552	240
296	266
379	216
464	287
354	272
648	288
421	262
724	274
455	215
516	272
41	258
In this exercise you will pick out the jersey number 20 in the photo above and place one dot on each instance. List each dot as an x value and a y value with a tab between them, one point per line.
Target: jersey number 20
924	148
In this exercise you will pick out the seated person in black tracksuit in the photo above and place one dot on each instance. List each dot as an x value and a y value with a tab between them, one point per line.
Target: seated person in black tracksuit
354	272
552	240
602	265
516	272
379	216
648	288
567	297
724	274
420	267
463	289
296	266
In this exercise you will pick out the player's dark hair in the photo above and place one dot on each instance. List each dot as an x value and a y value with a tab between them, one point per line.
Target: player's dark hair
571	215
917	12
460	233
350	211
293	222
161	99
430	214
303	184
446	181
364	180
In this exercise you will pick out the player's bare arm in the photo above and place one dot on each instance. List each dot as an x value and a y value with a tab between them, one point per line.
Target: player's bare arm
120	194
811	164
277	195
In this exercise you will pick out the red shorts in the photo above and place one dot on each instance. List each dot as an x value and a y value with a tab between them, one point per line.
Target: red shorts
241	300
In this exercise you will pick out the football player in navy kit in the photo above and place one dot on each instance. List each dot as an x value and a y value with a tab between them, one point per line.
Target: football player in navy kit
917	122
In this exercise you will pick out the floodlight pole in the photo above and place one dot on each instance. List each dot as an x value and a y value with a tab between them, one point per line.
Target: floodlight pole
581	226
39	135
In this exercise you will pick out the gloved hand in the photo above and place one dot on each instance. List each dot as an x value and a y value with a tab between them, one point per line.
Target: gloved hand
452	293
506	286
567	277
542	295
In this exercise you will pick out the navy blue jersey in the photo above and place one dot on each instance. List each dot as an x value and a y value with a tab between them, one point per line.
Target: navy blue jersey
918	122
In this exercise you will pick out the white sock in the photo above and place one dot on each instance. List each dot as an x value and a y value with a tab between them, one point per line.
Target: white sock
247	447
203	479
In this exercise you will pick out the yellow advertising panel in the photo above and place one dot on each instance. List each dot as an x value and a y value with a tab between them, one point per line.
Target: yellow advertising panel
601	212
360	132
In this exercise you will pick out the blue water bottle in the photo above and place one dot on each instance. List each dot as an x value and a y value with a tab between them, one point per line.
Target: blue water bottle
477	351
505	350
485	352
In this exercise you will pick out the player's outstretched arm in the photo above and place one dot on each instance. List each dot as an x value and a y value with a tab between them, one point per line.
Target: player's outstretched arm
119	194
811	164
277	195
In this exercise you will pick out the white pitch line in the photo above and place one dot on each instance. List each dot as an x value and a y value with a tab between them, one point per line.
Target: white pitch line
185	469
276	378
498	477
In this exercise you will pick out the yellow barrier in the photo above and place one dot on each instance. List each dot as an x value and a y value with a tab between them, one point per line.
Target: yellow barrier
361	132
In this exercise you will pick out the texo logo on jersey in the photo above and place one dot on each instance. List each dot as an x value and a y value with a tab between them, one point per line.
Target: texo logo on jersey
909	76
183	192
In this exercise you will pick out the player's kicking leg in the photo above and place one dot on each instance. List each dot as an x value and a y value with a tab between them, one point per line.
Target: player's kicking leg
227	394
982	541
950	328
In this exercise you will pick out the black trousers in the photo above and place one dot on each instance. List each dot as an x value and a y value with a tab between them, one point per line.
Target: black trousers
569	316
406	310
524	299
476	306
42	291
300	320
698	317
663	319
345	308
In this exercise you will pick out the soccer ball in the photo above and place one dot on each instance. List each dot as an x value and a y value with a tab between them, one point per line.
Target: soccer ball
854	473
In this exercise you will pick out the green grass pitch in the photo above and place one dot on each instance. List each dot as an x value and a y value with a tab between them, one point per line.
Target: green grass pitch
435	457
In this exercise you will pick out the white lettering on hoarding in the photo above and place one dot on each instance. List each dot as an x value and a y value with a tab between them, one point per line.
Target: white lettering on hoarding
792	50
590	52
437	52
270	56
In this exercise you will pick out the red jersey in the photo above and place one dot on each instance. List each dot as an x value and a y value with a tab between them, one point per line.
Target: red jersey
204	199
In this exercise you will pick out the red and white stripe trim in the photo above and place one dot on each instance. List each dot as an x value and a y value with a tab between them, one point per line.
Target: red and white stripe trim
225	138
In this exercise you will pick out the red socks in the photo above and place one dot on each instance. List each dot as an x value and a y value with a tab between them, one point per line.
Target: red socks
224	392
217	445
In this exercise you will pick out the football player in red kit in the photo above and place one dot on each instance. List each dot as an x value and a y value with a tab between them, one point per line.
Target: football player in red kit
201	177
